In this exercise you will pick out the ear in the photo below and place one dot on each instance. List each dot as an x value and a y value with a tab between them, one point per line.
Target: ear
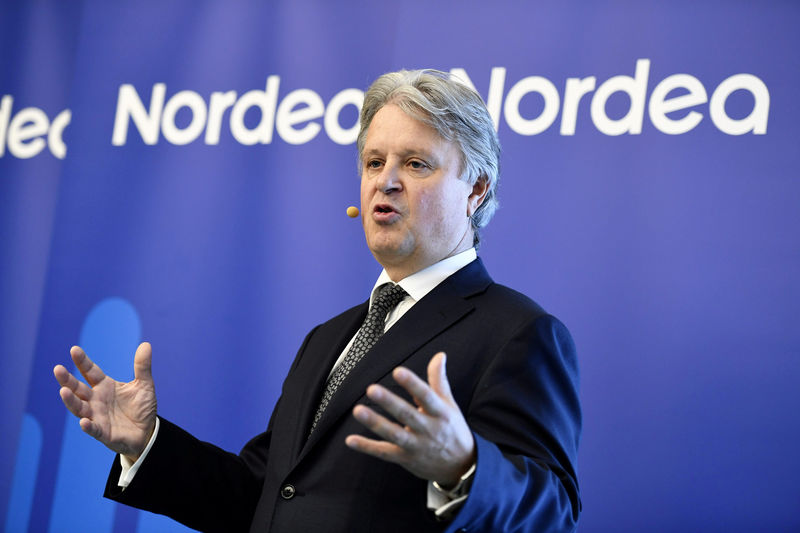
479	192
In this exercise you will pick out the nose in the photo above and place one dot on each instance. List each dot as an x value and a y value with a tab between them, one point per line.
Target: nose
388	180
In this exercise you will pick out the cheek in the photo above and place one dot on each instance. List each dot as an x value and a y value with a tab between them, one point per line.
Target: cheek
364	192
432	211
423	203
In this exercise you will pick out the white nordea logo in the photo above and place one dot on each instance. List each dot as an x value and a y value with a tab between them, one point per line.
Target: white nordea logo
296	117
692	93
299	107
24	133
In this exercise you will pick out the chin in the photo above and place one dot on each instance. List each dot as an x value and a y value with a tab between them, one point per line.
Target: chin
389	251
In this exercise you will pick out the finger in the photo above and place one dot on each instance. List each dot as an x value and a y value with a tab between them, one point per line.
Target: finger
90	428
401	410
384	428
423	395
376	448
66	379
90	371
437	377
75	405
142	362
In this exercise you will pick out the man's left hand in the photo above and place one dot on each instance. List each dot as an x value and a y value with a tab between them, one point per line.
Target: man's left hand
431	440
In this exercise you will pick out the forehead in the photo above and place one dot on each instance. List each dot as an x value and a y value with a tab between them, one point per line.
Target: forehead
393	128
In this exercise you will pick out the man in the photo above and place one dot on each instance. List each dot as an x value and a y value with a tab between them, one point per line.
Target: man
487	443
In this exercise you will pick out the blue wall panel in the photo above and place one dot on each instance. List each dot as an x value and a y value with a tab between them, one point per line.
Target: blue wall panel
672	257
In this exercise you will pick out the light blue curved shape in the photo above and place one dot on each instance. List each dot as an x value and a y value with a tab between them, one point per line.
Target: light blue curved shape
25	472
110	335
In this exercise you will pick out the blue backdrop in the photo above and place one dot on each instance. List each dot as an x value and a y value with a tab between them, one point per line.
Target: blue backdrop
178	172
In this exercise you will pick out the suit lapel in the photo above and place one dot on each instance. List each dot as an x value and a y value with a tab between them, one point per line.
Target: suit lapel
304	384
438	310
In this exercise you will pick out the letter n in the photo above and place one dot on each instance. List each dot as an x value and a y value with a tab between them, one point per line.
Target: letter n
130	106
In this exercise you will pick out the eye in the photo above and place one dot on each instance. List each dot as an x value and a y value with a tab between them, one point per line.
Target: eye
417	164
373	163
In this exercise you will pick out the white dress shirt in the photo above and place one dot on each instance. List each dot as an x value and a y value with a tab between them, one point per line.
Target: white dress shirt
416	286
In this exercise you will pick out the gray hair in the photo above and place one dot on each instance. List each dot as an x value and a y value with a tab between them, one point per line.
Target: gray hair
456	112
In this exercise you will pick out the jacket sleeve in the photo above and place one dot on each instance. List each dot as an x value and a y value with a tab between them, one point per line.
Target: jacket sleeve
194	482
526	419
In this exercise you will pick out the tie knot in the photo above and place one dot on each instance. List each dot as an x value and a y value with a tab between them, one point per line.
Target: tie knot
389	295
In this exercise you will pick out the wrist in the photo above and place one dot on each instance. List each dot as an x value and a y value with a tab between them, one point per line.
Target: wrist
467	465
146	443
460	487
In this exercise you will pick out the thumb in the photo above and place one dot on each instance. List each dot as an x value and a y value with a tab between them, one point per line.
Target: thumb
437	377
142	362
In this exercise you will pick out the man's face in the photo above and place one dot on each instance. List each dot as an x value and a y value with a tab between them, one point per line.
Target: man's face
414	207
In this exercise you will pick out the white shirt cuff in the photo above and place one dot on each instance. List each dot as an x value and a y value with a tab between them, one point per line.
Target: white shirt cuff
449	509
129	469
445	504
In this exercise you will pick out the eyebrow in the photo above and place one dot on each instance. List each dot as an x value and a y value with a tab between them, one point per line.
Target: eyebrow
418	152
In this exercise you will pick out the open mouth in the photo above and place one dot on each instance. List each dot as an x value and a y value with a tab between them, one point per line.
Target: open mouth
384	213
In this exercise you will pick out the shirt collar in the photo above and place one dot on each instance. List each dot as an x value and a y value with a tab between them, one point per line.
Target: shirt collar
421	283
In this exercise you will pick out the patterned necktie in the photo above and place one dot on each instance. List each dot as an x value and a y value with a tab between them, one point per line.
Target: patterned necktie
389	295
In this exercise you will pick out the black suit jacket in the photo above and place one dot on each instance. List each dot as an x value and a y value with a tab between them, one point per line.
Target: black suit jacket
513	371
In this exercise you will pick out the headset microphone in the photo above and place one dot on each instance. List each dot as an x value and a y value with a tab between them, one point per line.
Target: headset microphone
352	211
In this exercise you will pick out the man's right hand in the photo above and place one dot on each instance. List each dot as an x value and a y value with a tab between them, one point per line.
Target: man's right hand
120	415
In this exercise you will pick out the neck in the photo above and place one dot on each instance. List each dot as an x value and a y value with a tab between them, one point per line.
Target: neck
400	271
